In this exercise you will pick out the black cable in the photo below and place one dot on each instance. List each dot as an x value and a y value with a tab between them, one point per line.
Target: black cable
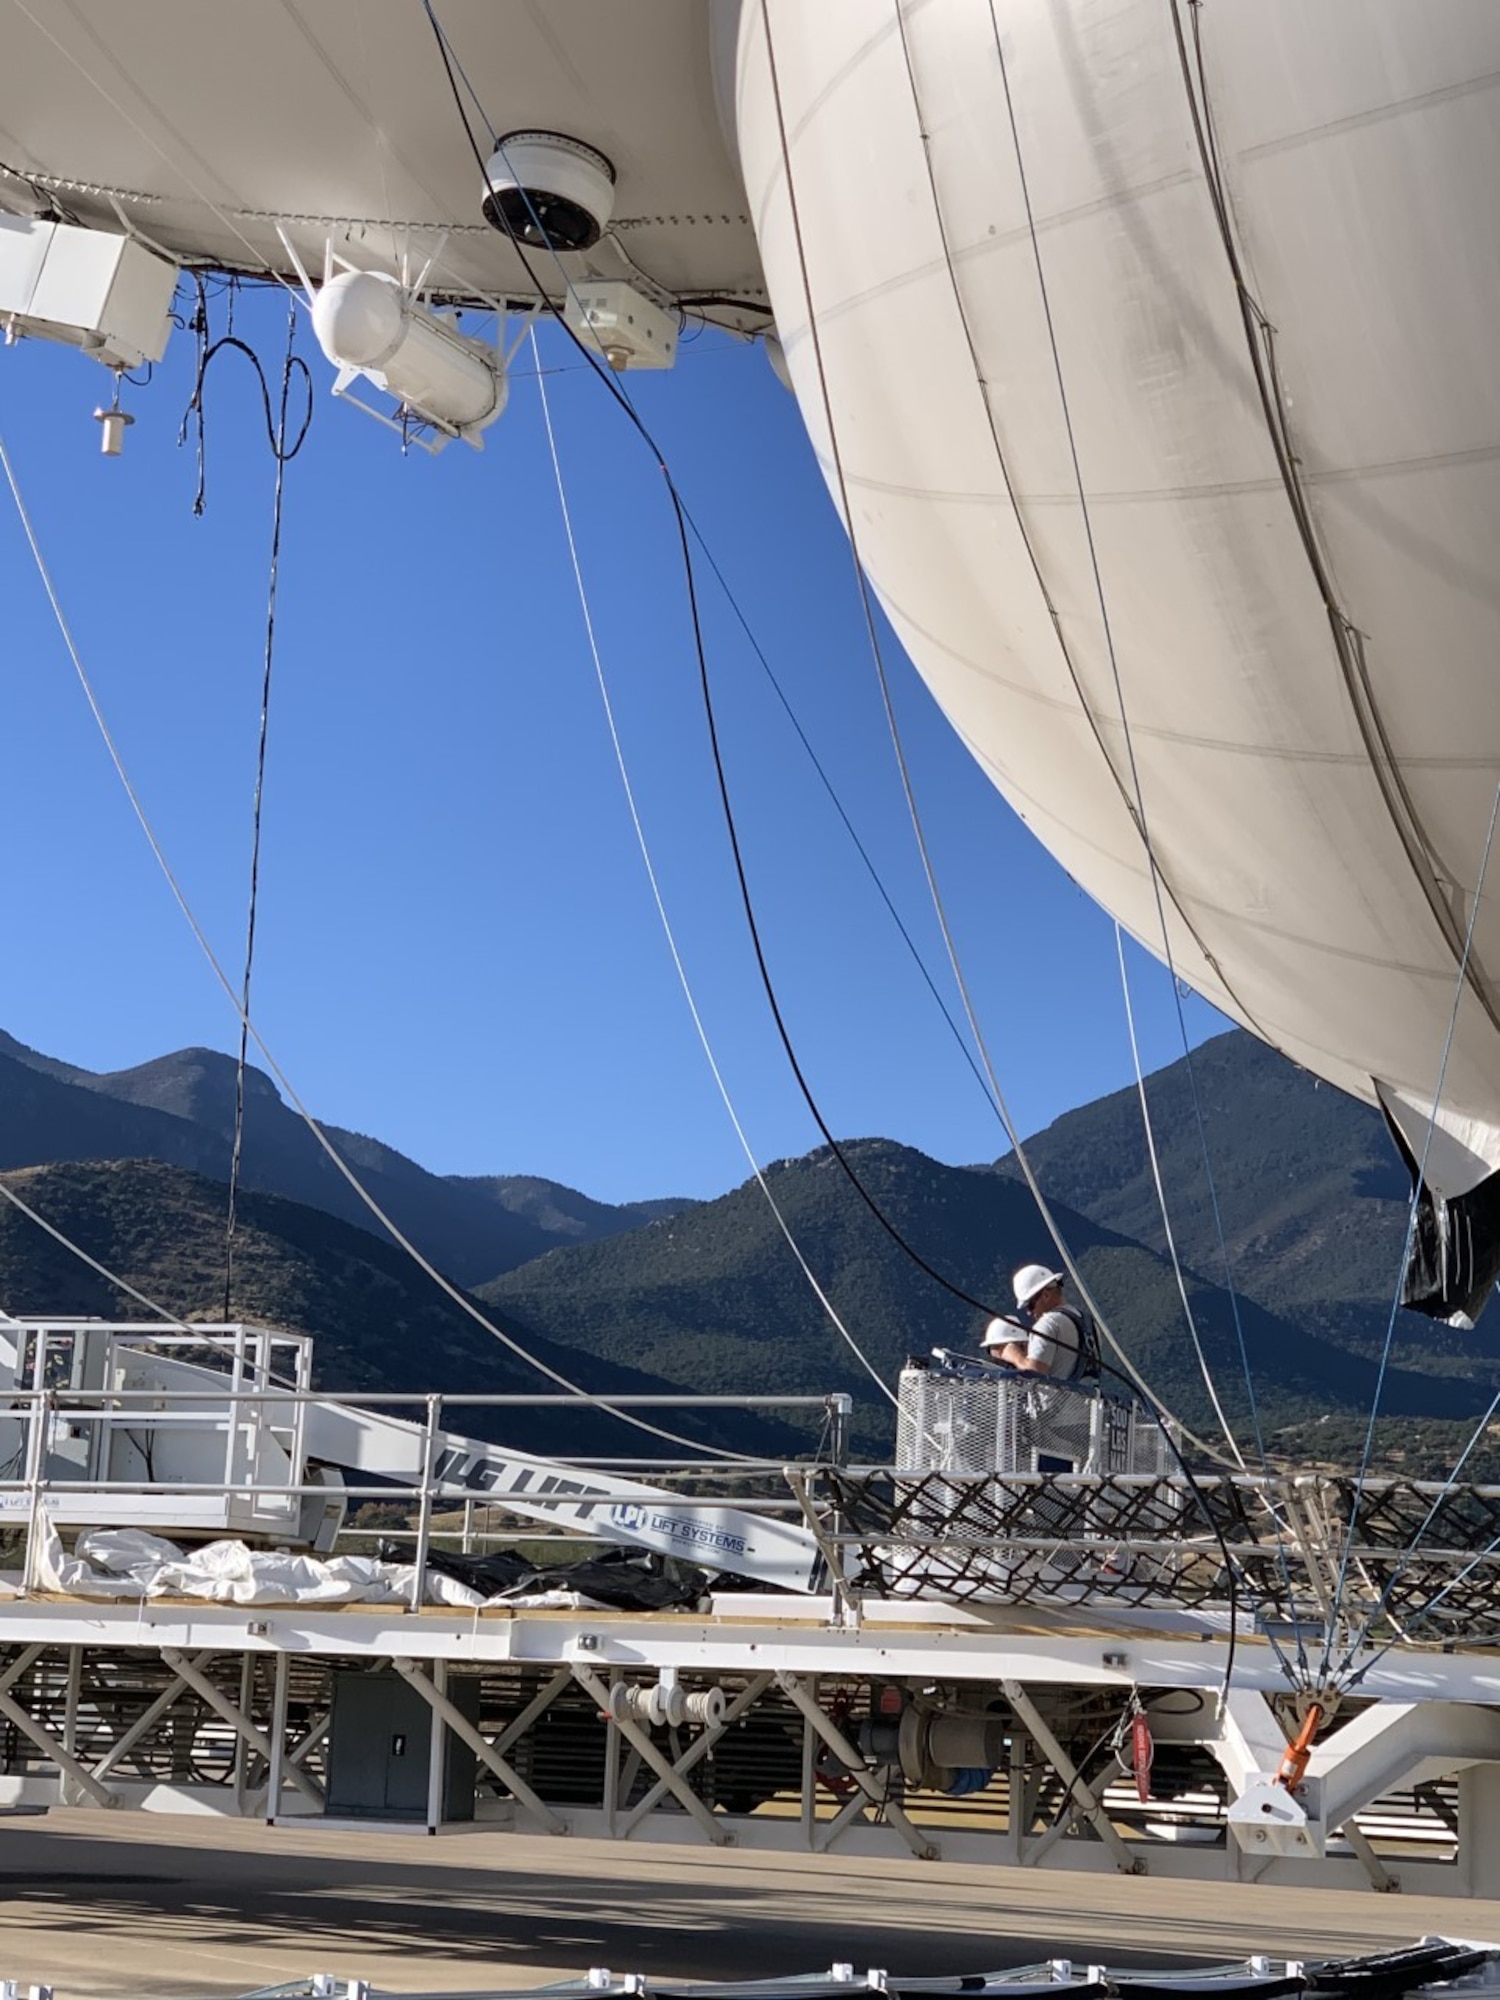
859	847
283	458
694	300
682	519
276	436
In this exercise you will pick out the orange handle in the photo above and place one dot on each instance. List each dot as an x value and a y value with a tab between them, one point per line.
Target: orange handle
1299	1754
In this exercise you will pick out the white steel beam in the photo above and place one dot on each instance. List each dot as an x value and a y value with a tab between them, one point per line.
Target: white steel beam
13	1672
48	1744
540	1702
144	1723
1250	1742
893	1642
274	1778
1381	1880
1083	1801
1399	1743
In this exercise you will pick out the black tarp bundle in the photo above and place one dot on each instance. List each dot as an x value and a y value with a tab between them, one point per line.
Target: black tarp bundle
623	1579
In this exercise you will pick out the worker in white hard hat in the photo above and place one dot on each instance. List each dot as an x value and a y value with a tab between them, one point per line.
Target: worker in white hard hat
1048	1340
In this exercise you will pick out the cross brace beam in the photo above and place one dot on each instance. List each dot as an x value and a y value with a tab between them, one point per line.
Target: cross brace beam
854	1764
483	1749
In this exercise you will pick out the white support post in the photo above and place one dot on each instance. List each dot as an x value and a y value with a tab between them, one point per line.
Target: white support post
1479	1829
1017	1800
278	1737
241	1748
36	1467
612	1766
810	1778
70	1711
65	1761
483	1749
437	1746
849	1757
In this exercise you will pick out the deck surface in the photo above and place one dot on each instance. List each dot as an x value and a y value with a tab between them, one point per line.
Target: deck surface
124	1906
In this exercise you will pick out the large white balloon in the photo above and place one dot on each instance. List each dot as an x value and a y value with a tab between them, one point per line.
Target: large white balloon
1218	564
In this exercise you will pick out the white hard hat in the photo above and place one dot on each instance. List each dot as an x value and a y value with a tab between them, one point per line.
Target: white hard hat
1000	1331
1034	1278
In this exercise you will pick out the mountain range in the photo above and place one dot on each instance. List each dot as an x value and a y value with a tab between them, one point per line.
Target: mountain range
1304	1210
179	1110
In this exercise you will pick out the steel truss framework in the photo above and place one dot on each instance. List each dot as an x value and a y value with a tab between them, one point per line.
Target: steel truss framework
756	1726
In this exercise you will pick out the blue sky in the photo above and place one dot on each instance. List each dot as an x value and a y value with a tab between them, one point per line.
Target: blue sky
457	947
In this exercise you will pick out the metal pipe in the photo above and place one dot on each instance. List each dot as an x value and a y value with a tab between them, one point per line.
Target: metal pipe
373	1399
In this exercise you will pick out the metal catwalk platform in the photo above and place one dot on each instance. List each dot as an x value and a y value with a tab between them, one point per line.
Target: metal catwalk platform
1085	1669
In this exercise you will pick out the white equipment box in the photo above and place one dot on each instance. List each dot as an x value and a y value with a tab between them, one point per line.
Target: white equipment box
104	293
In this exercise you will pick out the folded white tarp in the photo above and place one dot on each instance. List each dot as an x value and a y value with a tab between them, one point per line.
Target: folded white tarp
129	1563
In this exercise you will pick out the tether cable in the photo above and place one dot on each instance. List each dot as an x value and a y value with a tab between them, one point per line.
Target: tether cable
661	907
76	1250
276	429
1161	1201
1449	1486
282	456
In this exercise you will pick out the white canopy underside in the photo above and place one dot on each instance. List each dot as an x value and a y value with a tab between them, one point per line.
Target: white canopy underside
1318	820
214	126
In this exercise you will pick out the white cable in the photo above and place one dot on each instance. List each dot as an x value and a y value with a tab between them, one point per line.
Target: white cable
458	1297
1166	1220
661	908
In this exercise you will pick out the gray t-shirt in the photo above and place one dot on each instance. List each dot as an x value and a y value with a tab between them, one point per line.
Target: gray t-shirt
1054	1340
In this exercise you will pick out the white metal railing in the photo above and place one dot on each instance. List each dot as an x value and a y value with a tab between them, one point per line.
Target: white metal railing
213	1430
